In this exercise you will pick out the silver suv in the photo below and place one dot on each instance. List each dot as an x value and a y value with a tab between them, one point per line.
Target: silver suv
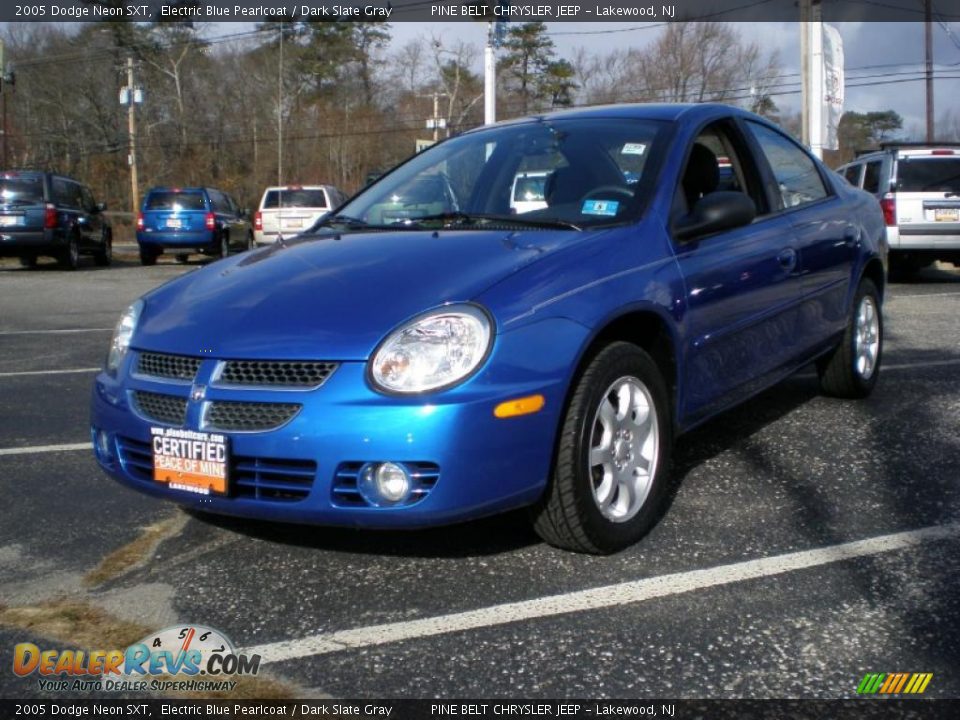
918	186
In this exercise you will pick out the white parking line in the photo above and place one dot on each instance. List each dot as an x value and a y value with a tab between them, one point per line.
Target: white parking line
921	295
595	598
53	332
914	366
45	449
49	372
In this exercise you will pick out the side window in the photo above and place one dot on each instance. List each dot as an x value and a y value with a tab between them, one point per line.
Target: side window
217	203
66	193
796	173
89	204
871	176
718	160
852	174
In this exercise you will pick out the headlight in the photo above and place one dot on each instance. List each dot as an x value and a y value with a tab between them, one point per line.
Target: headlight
122	334
434	351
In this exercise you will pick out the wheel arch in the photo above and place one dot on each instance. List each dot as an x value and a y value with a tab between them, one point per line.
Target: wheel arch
874	272
645	328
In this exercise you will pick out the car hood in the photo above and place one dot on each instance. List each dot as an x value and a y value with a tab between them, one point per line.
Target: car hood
330	297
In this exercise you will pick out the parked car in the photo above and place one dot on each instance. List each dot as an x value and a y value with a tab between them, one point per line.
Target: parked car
449	359
291	209
918	186
46	214
192	219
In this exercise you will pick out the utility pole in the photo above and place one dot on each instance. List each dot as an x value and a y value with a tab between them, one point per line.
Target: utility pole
280	112
928	51
3	99
436	122
490	77
130	96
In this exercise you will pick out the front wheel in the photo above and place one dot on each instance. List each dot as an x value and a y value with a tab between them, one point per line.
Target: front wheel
852	368
612	457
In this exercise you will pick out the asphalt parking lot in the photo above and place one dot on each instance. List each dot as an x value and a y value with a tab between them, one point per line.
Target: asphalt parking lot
808	541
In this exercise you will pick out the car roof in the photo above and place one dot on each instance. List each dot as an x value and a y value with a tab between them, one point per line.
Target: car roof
639	111
296	187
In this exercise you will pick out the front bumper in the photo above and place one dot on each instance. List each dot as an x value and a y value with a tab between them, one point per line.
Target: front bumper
484	464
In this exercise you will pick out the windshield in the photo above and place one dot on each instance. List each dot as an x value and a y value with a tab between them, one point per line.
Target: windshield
563	172
929	174
302	198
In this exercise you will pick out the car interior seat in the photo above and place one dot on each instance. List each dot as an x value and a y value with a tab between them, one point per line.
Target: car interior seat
702	175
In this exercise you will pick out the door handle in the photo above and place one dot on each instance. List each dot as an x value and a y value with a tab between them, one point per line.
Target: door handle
787	258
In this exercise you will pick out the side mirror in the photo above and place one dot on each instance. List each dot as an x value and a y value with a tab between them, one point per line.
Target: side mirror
718	211
101	207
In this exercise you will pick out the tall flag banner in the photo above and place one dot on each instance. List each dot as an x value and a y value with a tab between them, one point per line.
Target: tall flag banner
832	86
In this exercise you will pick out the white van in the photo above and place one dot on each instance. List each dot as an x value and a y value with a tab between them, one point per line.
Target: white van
291	209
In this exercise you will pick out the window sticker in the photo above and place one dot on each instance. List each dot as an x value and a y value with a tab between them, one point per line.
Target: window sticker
607	208
633	149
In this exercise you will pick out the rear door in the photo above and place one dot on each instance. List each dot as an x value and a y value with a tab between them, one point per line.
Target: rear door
827	239
175	211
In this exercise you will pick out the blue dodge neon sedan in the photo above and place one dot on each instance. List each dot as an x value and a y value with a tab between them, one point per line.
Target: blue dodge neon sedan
429	354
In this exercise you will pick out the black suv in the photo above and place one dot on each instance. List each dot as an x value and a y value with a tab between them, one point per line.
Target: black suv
42	213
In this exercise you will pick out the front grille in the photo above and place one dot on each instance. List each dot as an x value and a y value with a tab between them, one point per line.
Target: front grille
136	458
175	367
346	491
276	373
249	416
270	479
167	409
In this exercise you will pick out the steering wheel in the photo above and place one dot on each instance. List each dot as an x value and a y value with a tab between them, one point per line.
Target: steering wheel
618	190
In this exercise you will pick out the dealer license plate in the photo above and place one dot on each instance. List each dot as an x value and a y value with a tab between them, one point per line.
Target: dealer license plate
291	224
9	220
191	461
173	222
946	215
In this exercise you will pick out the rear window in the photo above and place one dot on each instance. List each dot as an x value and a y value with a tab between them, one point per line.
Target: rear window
21	191
175	201
928	174
294	198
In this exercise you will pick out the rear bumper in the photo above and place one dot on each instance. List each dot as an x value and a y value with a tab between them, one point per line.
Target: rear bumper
30	242
158	239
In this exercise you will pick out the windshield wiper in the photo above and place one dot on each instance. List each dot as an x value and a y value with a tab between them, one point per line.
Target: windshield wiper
461	218
331	220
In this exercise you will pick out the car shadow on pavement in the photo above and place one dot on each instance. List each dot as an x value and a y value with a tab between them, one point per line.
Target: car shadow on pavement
494	535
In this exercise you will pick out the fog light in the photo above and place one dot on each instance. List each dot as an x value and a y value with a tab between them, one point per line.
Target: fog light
101	441
385	483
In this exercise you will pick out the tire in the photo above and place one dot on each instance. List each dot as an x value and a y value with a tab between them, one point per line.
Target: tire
182	257
852	368
147	257
70	259
251	244
104	257
603	499
223	249
28	261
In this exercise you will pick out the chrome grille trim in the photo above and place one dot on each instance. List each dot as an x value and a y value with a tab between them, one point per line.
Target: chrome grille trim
248	416
294	374
171	367
168	409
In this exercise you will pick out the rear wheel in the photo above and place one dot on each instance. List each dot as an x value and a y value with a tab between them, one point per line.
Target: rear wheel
70	259
250	242
224	249
148	257
182	257
28	261
612	456
104	256
851	370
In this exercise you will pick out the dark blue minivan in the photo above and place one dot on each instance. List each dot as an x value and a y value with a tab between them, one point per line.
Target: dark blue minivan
193	219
